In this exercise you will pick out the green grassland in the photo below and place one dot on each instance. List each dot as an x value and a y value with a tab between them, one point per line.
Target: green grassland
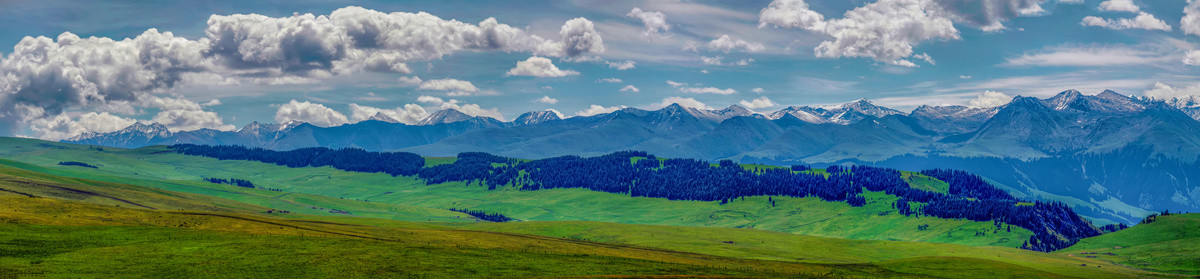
327	191
1170	244
82	232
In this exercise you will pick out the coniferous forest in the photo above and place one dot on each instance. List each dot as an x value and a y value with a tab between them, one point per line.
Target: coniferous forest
640	174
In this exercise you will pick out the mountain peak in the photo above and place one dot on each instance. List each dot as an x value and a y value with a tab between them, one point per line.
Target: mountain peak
379	116
536	117
445	116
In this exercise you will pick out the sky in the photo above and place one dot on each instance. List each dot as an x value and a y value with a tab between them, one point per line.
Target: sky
70	68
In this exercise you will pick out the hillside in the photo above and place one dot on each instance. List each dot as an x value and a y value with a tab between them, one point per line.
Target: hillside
57	232
337	193
1169	244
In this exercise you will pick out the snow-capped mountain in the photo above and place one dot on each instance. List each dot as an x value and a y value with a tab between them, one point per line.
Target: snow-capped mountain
952	119
1189	105
537	117
847	113
444	116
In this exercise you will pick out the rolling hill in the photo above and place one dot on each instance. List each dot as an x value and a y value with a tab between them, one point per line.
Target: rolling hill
190	235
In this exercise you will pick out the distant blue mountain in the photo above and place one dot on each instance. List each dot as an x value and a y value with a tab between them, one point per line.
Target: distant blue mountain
1111	156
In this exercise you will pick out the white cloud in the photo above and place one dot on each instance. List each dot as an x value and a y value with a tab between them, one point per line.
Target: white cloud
744	62
887	30
761	102
597	109
311	113
44	77
409	80
547	100
707	90
609	80
581	38
1090	56
1070	1
1142	21
1119	6
1163	91
213	102
455	87
1190	23
623	65
790	14
989	99
727	44
1192	58
630	88
469	109
758	90
65	126
655	22
538	67
685	102
715	60
371	96
189	120
408	114
964	77
675	84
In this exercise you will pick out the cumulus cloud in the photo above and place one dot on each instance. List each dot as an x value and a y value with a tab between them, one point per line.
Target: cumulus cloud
1192	58
44	77
1163	91
1190	23
630	88
727	44
1142	21
707	90
758	90
580	38
453	86
409	81
761	102
408	114
989	99
685	102
547	100
655	22
1119	6
307	112
887	30
598	109
469	109
790	14
538	67
65	126
673	83
609	80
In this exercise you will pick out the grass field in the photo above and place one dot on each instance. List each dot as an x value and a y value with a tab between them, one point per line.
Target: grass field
1170	244
147	213
56	235
402	198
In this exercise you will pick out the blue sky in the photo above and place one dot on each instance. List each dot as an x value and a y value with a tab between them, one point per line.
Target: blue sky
898	53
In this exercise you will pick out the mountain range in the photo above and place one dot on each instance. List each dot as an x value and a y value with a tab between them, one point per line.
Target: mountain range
1113	157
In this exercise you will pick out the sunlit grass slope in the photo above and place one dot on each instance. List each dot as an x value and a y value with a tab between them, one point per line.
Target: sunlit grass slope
62	235
1169	244
331	190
